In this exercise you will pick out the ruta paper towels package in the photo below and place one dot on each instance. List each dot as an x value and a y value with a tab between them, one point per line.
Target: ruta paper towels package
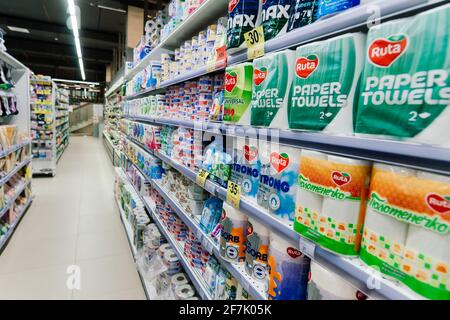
278	179
246	166
233	234
324	89
326	285
238	94
421	201
288	271
257	250
275	15
405	87
272	76
243	16
342	184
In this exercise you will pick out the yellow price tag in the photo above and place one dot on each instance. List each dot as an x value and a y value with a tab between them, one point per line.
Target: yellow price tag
201	177
234	194
255	42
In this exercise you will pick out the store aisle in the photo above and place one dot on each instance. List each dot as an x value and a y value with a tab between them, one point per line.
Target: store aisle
73	221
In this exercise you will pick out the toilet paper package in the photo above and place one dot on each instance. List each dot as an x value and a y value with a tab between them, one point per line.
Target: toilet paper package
327	7
257	250
243	16
324	89
246	166
421	201
288	271
232	234
275	15
238	94
278	179
272	76
342	184
405	86
303	12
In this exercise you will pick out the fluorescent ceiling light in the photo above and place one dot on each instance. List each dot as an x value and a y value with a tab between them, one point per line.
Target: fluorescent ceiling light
76	81
76	35
112	9
18	29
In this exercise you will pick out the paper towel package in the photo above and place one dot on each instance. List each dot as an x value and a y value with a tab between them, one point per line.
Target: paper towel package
303	12
343	184
278	180
323	94
326	285
257	250
405	87
272	76
288	271
275	15
421	201
233	234
243	16
238	94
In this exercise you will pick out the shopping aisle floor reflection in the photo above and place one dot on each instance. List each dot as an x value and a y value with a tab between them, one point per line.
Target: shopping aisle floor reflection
72	229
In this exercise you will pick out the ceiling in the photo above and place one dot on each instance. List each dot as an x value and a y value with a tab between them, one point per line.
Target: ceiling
49	46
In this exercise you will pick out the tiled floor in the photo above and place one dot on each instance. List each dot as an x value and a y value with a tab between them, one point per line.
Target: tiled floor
73	221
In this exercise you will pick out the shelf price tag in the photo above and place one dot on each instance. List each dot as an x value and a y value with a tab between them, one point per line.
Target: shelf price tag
255	42
307	247
234	194
201	177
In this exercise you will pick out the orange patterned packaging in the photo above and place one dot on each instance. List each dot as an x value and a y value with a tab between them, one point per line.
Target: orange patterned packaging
407	230
233	234
331	201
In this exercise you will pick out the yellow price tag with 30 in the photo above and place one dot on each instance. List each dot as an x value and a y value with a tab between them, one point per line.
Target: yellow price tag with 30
255	42
201	177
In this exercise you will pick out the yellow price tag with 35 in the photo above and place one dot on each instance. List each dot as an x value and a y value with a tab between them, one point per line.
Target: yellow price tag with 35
255	42
234	194
201	177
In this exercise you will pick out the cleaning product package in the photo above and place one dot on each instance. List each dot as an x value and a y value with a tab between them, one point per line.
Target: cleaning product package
288	271
211	215
303	13
275	15
278	180
330	7
233	234
272	76
342	185
257	250
238	94
405	87
243	16
217	162
325	86
246	166
419	257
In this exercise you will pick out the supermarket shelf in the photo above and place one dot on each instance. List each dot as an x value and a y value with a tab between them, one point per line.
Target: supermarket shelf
14	148
209	11
13	199
4	56
349	20
5	239
14	171
115	87
352	269
422	157
128	229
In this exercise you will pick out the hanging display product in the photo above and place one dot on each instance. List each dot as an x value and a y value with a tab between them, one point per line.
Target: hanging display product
405	87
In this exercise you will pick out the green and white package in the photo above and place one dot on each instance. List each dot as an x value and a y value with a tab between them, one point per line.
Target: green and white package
272	76
405	87
323	92
238	94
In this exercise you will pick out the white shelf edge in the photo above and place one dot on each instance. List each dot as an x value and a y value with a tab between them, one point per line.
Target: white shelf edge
14	198
14	171
13	227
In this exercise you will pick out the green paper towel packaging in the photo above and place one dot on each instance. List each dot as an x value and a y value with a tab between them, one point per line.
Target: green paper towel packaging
238	94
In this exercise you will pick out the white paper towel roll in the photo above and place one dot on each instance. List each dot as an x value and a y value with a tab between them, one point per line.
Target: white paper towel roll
233	234
184	292
437	133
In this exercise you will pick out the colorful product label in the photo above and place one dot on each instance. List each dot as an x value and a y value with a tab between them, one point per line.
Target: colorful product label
405	86
256	253
303	12
421	203
242	17
238	91
327	7
274	17
324	78
340	182
246	169
232	238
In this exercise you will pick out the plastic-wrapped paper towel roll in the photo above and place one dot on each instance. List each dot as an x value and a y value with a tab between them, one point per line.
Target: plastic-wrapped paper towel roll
184	292
232	235
163	249
272	77
288	270
326	285
257	250
323	92
238	94
278	181
243	16
390	105
179	279
246	166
